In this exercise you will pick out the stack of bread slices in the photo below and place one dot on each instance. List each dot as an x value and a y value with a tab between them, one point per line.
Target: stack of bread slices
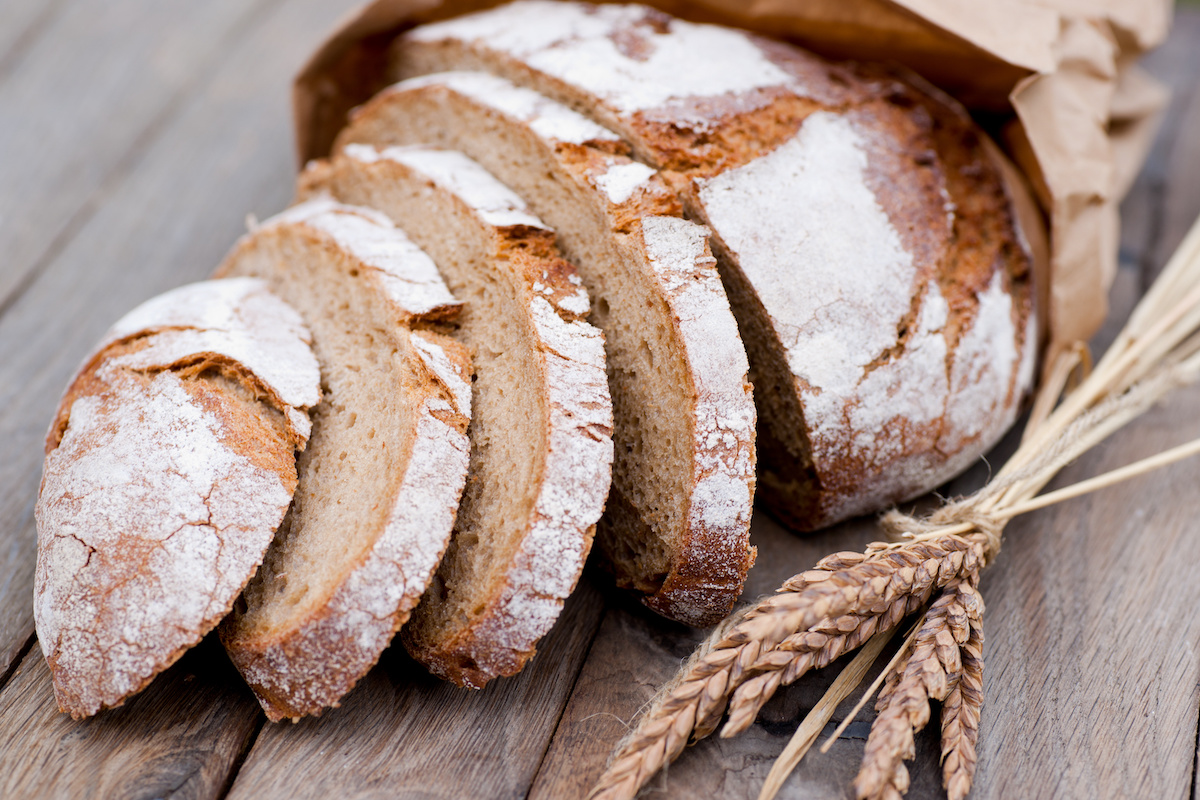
531	273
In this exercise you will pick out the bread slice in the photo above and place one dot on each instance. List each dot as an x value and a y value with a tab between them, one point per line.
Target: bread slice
862	228
676	527
169	465
382	476
541	434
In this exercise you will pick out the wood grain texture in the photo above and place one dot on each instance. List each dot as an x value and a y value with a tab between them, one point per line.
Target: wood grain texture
404	733
178	739
21	26
80	114
1091	676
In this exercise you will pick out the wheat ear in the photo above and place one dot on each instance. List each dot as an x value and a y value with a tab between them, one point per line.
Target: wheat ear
913	575
845	583
960	718
931	671
802	652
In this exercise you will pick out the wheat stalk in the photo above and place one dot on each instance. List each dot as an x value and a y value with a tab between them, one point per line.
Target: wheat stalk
806	733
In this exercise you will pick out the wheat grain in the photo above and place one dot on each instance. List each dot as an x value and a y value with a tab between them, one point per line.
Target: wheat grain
843	584
931	671
910	584
960	716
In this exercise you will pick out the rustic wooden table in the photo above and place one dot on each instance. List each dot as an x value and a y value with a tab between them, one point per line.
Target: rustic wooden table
135	135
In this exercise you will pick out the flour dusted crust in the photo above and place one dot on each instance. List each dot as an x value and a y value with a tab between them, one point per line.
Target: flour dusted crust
715	553
541	433
301	652
677	367
863	231
168	468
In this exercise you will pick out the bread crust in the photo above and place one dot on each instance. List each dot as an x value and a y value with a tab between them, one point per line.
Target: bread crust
306	665
707	562
169	465
897	408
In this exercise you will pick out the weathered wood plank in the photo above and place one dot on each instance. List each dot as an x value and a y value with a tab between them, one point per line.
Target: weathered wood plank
90	88
1097	597
175	211
404	733
179	738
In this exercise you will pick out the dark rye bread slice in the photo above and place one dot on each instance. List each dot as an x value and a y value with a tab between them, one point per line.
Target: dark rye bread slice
541	432
861	225
382	476
169	465
677	522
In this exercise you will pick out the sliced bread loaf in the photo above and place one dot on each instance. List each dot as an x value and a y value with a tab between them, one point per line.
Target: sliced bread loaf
380	482
169	465
541	432
676	526
861	225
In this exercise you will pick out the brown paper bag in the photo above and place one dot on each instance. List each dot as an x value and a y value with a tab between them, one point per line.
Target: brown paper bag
1055	80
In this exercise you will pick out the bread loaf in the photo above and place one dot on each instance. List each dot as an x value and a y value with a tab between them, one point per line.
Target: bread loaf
169	465
861	226
380	482
676	527
541	431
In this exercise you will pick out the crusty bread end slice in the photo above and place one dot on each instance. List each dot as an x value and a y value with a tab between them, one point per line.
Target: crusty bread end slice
169	466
